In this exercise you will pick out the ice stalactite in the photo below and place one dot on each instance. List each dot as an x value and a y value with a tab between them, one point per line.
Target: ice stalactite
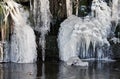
69	7
22	45
77	6
119	11
115	11
41	16
115	14
86	37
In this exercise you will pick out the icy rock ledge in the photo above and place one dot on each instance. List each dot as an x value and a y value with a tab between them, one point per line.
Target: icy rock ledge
75	61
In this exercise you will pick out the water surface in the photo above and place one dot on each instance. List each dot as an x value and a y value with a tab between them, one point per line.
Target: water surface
59	70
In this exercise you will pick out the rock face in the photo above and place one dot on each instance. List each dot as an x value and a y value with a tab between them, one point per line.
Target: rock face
116	51
116	45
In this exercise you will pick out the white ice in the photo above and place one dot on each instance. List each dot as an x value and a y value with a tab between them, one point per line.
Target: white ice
78	37
22	48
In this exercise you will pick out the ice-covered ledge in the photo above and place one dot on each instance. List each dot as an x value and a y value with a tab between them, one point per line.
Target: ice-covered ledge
75	61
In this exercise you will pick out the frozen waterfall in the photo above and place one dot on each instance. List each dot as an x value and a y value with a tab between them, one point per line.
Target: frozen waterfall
86	38
41	15
22	45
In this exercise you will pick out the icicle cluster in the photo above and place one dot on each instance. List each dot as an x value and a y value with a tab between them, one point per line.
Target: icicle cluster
115	11
86	37
22	48
41	15
69	7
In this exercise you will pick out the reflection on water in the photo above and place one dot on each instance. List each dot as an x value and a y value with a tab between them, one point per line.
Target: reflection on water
18	71
55	70
68	72
96	70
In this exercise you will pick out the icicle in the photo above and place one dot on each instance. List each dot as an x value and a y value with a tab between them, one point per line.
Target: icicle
69	7
115	10
1	52
41	16
119	11
31	7
87	42
77	6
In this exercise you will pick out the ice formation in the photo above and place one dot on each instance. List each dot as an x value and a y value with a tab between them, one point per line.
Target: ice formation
75	61
69	7
41	15
115	11
119	11
86	37
115	14
22	48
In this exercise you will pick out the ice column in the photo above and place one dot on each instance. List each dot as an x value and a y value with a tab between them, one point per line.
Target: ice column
41	16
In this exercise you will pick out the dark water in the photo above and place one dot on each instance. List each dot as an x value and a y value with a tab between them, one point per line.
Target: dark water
59	70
